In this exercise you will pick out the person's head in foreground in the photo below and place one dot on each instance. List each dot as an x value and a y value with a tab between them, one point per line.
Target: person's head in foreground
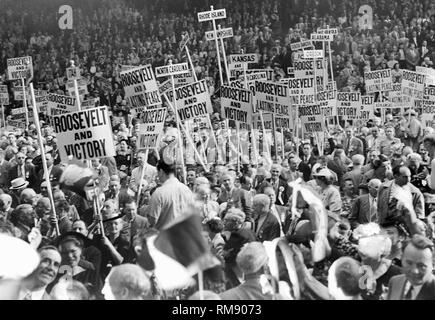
417	261
127	282
344	279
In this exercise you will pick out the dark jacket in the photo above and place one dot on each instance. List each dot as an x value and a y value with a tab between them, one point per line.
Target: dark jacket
269	229
396	288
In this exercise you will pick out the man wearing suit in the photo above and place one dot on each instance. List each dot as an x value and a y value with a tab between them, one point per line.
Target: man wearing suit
364	209
4	171
235	197
352	145
307	156
35	286
266	225
387	197
282	189
417	281
415	39
54	171
251	259
23	170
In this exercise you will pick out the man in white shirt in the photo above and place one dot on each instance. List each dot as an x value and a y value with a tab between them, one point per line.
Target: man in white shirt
149	174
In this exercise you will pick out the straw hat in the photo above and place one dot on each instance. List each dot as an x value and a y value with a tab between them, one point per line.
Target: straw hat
18	183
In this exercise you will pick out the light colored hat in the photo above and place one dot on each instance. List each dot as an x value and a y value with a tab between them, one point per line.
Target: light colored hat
19	259
324	173
252	257
18	183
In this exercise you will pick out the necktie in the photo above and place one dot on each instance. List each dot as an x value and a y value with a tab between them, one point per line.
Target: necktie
408	295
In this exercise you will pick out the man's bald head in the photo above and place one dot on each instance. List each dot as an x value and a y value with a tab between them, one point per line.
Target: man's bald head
28	196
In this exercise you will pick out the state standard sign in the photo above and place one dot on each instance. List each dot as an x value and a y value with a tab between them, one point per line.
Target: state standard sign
221	34
313	54
172	69
322	37
212	15
85	135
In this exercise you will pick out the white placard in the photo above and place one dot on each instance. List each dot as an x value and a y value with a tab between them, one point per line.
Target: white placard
273	98
20	68
212	15
85	134
193	100
236	104
413	84
140	86
221	34
379	80
151	128
322	37
313	54
172	69
348	105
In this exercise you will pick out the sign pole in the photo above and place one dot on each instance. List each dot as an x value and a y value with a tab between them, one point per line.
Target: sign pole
191	63
264	134
189	140
224	55
44	161
25	103
3	115
217	50
141	177
213	136
177	119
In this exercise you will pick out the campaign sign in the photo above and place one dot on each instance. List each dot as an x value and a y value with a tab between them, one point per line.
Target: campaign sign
85	134
140	86
4	95
59	104
151	129
312	118
413	84
20	68
378	80
193	100
236	104
348	104
273	98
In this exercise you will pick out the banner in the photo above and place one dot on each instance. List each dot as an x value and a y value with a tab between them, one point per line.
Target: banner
41	100
140	86
348	105
379	80
413	84
273	98
236	104
85	134
20	68
151	130
193	100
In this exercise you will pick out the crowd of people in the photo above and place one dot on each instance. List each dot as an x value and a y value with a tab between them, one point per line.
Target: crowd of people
356	218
